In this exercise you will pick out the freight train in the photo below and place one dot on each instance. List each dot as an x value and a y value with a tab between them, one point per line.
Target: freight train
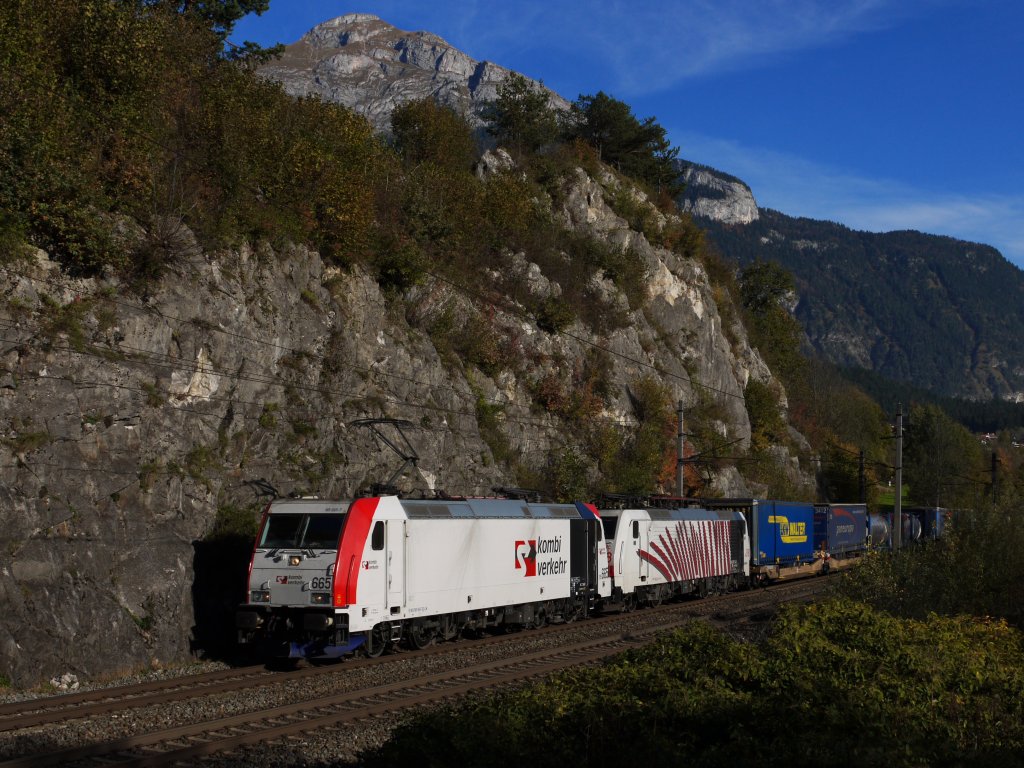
331	577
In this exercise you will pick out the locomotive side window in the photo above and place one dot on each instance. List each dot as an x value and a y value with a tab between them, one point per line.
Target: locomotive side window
636	529
377	542
323	531
281	531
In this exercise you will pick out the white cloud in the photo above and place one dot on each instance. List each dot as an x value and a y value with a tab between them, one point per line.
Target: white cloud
797	187
648	47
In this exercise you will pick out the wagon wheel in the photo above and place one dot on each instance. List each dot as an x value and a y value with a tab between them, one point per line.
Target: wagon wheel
420	636
377	640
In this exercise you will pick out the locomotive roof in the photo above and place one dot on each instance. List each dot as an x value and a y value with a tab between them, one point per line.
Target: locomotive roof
474	508
684	513
436	508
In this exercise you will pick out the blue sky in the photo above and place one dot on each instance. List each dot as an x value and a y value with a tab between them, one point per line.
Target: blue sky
878	114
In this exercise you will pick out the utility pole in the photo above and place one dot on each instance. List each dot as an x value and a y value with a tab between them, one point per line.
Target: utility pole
680	462
995	473
897	507
862	480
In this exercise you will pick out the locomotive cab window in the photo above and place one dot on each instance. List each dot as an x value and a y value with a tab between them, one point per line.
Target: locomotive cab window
322	531
281	531
293	531
609	523
377	542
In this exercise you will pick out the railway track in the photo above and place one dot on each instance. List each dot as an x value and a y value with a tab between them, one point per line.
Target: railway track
514	659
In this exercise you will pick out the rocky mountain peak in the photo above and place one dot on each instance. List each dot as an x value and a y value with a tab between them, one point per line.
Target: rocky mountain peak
370	35
372	67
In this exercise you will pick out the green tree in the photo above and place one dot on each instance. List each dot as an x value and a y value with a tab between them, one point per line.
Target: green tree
942	462
219	15
521	116
765	287
645	462
637	148
767	426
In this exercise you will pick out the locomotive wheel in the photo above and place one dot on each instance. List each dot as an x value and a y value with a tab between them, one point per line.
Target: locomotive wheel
654	597
540	619
377	640
420	636
568	615
629	603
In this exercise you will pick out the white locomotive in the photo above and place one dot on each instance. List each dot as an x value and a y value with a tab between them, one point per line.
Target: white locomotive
658	554
329	577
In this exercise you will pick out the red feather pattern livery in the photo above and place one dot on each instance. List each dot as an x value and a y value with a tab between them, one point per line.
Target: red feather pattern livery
692	550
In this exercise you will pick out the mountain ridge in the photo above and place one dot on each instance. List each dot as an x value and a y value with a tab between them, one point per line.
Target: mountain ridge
370	66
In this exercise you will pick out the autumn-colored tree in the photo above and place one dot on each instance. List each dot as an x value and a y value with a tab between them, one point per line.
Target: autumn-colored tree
425	131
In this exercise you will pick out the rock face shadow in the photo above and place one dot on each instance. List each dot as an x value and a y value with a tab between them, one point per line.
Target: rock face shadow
220	571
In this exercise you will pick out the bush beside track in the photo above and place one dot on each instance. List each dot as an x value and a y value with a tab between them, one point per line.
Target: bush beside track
837	682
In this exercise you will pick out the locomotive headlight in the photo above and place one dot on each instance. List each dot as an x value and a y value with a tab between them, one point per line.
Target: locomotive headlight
295	560
320	598
259	596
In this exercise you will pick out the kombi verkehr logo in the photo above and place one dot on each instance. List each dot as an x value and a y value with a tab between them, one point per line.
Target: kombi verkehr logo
541	557
526	556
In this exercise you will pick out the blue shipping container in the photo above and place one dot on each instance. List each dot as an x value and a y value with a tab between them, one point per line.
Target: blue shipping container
781	532
784	532
840	528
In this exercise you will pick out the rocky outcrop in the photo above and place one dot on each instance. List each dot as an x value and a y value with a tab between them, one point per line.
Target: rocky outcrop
371	67
136	428
714	195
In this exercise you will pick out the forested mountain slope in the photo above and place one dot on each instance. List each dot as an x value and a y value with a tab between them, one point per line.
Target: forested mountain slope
943	314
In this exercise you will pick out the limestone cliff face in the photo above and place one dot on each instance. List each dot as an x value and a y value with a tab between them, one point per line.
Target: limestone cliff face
714	195
132	423
371	67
